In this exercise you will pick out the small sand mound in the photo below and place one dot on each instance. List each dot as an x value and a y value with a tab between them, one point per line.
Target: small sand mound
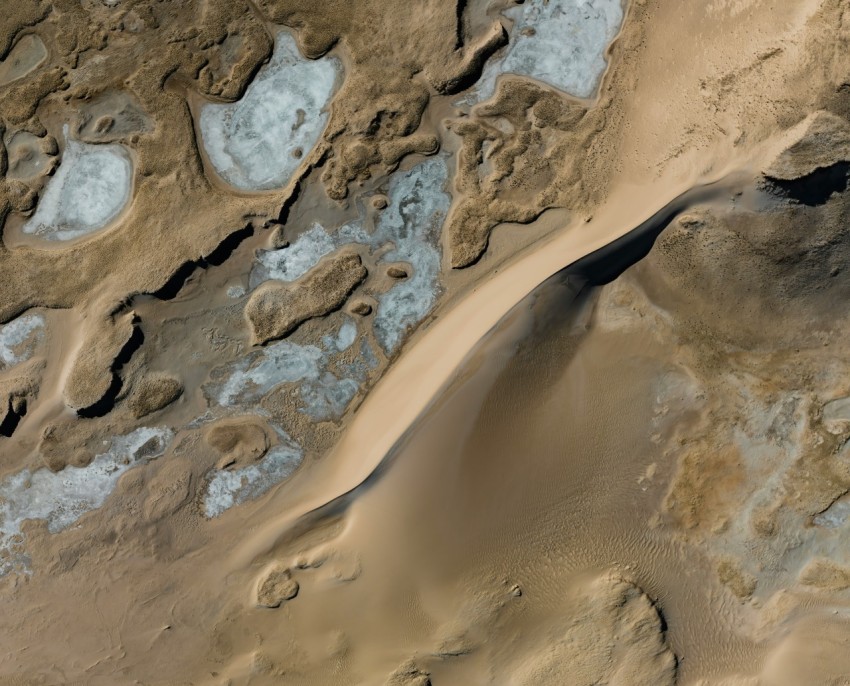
409	674
239	441
362	308
154	392
741	583
276	587
275	310
826	574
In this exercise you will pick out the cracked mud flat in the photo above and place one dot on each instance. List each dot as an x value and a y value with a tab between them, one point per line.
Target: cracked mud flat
494	343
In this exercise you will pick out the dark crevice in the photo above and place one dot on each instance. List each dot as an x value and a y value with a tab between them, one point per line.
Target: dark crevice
662	620
12	419
460	9
175	282
216	258
283	215
168	291
227	247
814	189
130	347
831	503
107	402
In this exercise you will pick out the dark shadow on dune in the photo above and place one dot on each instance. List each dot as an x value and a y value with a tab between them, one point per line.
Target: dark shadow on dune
606	264
816	188
573	284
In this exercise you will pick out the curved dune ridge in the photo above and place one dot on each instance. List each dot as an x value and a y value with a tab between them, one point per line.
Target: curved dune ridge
482	342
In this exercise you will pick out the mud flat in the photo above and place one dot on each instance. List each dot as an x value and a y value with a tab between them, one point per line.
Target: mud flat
28	53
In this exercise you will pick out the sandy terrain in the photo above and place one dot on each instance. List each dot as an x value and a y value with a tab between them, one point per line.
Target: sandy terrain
460	343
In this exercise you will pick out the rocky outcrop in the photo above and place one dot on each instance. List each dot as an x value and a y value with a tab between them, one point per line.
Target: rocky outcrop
821	140
93	383
276	309
153	393
276	587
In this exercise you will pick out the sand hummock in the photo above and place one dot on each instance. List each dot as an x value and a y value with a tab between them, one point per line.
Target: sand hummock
275	310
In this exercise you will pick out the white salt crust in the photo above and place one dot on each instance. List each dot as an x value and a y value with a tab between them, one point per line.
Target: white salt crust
90	188
258	142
